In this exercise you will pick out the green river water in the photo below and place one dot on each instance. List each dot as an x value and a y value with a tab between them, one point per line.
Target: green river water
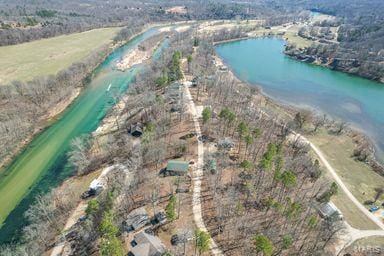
43	164
262	62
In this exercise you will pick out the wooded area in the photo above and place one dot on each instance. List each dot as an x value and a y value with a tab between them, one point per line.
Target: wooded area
262	195
262	187
358	48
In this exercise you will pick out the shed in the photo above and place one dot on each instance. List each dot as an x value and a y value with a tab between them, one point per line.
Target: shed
195	81
146	245
225	143
136	219
159	218
211	165
176	168
136	130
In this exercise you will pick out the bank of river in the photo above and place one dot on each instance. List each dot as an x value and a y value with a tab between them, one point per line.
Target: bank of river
358	101
43	164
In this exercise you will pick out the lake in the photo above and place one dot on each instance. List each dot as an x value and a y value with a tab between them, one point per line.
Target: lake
261	62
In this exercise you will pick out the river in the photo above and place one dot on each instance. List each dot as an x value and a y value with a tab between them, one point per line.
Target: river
358	101
43	164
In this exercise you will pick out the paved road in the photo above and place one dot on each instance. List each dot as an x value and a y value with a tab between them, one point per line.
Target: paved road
198	174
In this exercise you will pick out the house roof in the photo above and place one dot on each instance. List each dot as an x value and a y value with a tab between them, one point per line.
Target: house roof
136	128
137	218
327	209
147	245
175	165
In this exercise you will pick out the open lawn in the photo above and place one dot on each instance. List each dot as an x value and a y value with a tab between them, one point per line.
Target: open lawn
27	61
367	246
360	179
289	33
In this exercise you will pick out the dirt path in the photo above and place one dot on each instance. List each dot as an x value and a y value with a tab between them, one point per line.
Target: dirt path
198	174
80	211
351	235
76	214
341	184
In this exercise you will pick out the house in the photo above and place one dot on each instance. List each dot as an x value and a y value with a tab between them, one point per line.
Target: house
175	168
136	130
144	244
329	210
136	219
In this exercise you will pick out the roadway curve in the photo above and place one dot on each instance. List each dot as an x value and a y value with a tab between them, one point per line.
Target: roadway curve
341	184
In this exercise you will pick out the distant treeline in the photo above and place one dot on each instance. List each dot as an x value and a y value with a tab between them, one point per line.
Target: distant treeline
360	49
24	21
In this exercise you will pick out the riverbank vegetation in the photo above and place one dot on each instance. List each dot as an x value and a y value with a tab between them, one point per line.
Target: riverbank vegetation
29	106
126	187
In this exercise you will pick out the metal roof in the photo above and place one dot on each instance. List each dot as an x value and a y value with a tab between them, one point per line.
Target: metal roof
175	165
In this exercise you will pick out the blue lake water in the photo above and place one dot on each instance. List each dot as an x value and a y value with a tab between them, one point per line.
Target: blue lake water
262	62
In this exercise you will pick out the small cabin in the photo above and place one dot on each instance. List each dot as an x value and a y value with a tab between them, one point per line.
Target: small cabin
136	130
175	168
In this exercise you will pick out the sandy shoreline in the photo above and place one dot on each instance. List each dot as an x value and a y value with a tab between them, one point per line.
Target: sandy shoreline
134	57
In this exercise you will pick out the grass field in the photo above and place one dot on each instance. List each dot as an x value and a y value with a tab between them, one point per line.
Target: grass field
27	61
290	34
360	179
367	246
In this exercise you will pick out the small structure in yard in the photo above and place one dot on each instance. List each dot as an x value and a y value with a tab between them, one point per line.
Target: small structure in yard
136	219
329	210
136	130
225	143
182	236
211	165
160	218
195	81
144	244
175	168
223	68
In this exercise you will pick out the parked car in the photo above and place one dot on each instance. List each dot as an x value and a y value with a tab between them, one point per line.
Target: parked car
374	208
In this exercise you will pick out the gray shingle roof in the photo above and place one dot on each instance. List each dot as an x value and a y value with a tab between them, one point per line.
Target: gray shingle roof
147	245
